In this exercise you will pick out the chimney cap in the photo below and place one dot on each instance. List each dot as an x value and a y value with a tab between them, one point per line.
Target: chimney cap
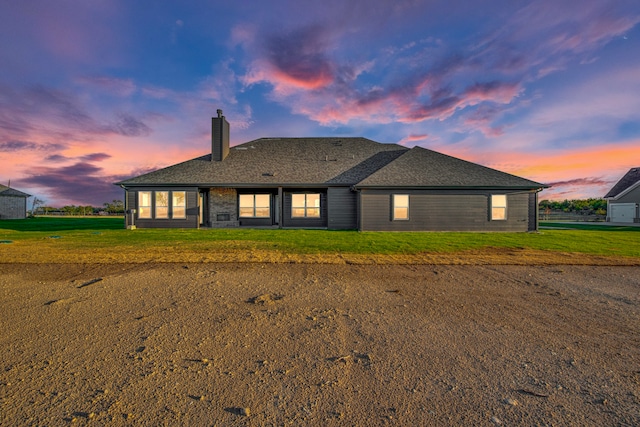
219	113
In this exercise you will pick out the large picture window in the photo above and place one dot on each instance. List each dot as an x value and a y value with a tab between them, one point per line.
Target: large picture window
144	204
255	205
305	205
400	207
162	204
179	204
498	207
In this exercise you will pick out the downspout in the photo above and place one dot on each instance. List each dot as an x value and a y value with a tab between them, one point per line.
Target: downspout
280	207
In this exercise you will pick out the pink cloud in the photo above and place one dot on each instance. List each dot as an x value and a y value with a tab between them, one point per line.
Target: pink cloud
296	59
409	139
306	75
587	171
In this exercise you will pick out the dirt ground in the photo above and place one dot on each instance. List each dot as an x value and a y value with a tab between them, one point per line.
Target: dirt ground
321	345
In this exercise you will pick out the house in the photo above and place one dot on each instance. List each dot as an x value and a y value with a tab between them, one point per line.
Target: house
624	198
332	183
13	203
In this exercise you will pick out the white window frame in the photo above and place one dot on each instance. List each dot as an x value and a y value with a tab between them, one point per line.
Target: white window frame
145	206
256	211
181	212
306	207
499	207
161	211
399	204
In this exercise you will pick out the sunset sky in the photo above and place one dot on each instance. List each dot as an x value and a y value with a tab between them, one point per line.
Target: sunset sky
93	92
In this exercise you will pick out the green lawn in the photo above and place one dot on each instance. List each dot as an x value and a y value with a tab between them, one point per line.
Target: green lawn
94	239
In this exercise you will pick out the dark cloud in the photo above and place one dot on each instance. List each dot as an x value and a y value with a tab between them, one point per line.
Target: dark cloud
59	114
80	184
128	125
18	146
300	56
58	105
56	158
93	157
29	146
580	182
482	117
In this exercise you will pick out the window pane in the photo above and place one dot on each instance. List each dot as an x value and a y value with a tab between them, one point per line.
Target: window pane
246	205
263	205
401	200
162	198
401	213
262	212
498	213
162	212
162	204
179	212
400	206
297	212
179	204
313	212
297	200
144	204
246	201
499	200
262	200
313	200
246	212
498	207
178	198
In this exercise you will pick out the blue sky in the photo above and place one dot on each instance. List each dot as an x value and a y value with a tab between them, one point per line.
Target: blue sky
95	92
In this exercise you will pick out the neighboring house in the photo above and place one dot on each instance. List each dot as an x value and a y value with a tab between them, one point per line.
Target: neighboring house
333	183
624	198
13	203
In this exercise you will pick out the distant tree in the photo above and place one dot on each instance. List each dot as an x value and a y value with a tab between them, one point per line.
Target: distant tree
581	206
115	207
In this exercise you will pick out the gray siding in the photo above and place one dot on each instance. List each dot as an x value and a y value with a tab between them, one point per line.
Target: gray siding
632	196
130	203
533	212
342	208
443	211
13	207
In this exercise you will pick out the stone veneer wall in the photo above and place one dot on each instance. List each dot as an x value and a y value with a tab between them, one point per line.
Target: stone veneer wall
13	207
223	201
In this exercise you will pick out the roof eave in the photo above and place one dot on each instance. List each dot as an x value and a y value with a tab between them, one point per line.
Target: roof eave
451	187
624	192
235	185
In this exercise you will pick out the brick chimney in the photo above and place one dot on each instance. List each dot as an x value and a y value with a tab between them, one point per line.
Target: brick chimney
219	138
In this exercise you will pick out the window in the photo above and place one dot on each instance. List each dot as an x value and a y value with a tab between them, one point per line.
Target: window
498	207
255	205
144	204
179	204
305	205
162	204
400	207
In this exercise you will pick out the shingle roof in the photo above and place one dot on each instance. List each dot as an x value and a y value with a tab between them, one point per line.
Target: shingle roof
629	179
420	167
8	191
330	161
293	161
